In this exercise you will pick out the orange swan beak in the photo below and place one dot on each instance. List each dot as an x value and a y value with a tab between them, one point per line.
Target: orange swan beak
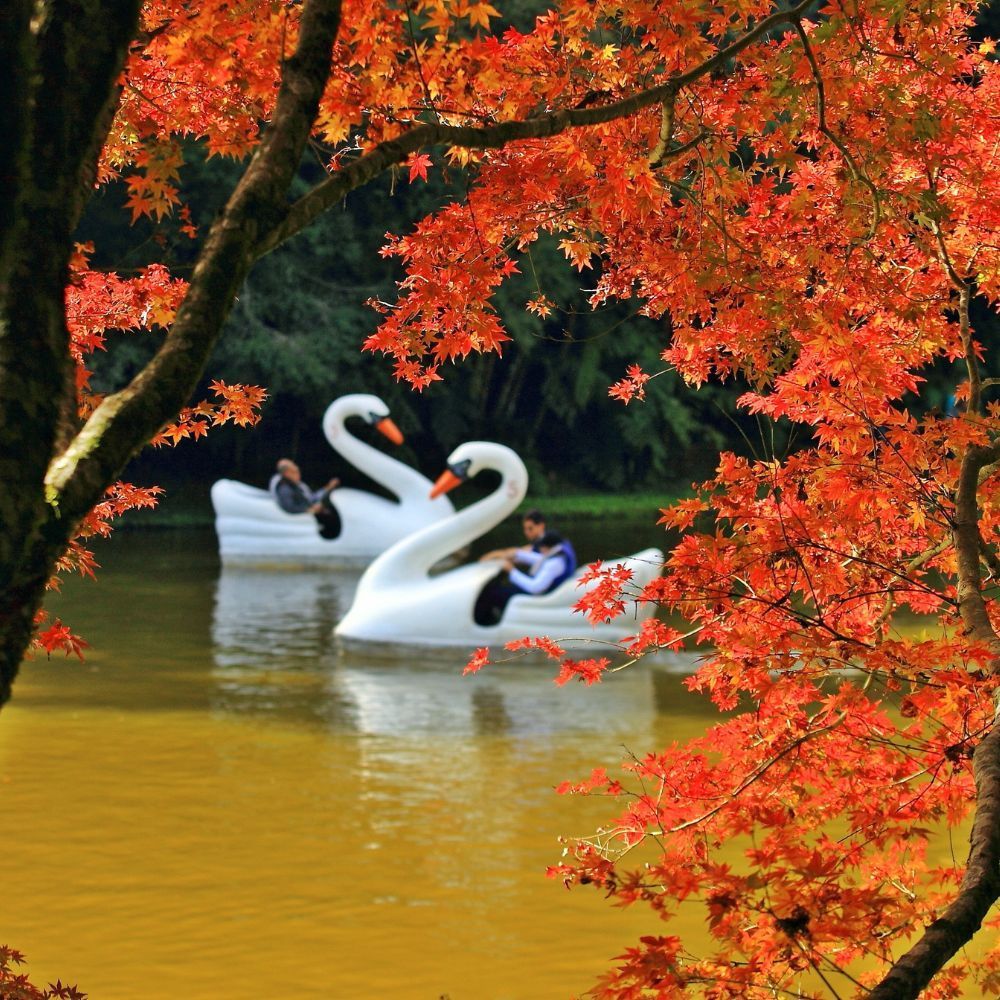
389	429
445	482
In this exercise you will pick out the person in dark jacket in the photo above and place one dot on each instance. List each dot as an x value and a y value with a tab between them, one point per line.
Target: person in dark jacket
296	497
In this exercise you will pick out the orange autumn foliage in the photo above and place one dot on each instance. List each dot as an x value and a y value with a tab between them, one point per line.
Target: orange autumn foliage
807	196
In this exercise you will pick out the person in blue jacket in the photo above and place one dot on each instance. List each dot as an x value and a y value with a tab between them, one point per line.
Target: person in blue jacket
541	568
536	568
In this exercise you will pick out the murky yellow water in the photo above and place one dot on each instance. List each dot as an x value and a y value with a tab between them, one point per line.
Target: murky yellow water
217	805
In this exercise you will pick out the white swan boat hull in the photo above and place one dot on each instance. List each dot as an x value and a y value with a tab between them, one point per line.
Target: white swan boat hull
253	530
403	620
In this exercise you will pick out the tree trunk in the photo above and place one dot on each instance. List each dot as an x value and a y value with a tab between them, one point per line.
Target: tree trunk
21	599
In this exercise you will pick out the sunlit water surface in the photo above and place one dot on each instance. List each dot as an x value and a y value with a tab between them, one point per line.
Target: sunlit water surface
217	804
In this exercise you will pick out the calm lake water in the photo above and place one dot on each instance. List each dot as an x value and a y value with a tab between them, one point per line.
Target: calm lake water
217	804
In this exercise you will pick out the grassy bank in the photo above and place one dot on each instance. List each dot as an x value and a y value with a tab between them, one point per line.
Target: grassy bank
583	505
189	506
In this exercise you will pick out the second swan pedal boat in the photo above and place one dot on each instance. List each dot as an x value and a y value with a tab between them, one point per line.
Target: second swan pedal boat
399	603
254	530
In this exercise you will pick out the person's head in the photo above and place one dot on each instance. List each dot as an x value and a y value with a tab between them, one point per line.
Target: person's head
289	470
533	524
549	541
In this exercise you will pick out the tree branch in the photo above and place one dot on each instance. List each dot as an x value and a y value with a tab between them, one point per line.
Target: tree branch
81	49
980	887
126	420
394	151
658	155
971	605
15	83
912	566
988	470
979	890
990	558
71	59
856	172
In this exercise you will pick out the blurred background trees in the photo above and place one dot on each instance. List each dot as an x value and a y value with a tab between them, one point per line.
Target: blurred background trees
300	320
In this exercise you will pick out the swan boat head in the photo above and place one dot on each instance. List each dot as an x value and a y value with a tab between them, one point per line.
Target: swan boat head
359	404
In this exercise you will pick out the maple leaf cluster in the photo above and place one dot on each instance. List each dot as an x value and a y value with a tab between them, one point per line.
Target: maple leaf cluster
808	202
588	671
632	386
98	302
821	242
237	404
773	779
15	985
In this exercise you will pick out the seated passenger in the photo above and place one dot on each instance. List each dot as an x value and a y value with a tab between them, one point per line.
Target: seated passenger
296	497
545	566
533	526
548	562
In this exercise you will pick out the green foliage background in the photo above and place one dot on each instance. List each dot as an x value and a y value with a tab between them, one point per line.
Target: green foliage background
300	320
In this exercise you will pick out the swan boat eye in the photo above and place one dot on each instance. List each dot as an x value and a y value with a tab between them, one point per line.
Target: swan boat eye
374	418
461	469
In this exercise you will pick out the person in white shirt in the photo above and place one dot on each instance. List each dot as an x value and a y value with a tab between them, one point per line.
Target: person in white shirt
533	526
545	567
537	568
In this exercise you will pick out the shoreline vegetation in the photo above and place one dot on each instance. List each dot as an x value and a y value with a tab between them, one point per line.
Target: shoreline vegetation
191	507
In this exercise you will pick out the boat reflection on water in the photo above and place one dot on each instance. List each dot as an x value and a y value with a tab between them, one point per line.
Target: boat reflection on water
264	618
272	642
274	654
514	699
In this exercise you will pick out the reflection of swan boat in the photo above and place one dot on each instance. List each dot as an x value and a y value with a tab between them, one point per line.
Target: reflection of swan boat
274	657
252	528
414	696
272	618
272	649
398	602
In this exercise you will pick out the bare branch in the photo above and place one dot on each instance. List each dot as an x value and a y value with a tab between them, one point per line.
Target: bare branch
990	558
971	361
658	153
987	470
912	566
971	604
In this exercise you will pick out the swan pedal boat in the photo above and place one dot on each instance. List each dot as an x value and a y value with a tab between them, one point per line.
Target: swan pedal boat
399	604
253	530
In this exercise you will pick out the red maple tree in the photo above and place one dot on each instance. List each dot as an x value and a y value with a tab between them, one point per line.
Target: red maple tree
806	193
